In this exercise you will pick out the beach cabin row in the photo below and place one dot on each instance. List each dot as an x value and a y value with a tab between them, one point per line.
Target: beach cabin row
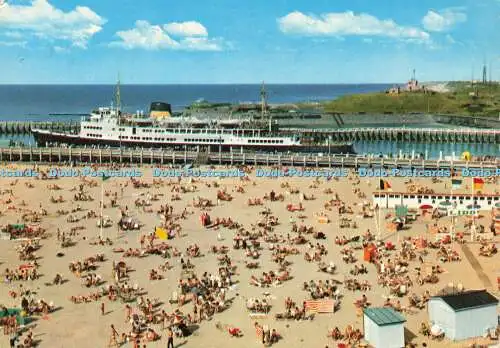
460	201
459	316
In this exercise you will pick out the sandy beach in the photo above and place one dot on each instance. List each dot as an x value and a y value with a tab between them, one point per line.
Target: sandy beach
82	324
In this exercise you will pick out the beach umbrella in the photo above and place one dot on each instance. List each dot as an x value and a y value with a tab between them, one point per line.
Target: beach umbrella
497	205
466	156
436	330
426	206
473	206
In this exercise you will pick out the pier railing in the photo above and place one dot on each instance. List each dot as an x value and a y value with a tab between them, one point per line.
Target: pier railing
163	157
438	135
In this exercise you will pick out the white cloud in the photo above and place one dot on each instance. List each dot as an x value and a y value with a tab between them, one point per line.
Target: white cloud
47	22
14	43
443	20
155	37
450	39
146	36
186	29
347	23
13	34
59	49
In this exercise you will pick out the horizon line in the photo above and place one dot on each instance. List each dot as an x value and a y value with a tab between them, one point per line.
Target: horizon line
219	84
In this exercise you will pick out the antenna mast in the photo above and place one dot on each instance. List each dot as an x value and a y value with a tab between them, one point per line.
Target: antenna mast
118	95
263	98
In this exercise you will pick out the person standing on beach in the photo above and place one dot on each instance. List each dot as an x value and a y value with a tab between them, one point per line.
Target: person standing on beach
170	343
102	308
13	340
113	341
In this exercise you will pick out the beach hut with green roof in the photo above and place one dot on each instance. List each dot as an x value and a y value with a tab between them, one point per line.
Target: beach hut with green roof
384	327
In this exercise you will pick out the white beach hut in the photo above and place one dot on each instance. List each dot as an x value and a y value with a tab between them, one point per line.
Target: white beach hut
384	328
464	315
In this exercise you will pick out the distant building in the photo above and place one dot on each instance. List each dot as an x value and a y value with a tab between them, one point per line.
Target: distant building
464	315
411	86
384	328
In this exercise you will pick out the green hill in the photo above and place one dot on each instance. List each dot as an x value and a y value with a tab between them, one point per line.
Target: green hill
462	98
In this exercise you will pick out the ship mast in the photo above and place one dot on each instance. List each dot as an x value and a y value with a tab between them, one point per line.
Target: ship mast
118	99
263	102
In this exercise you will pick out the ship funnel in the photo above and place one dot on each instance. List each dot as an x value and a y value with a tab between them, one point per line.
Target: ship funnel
160	110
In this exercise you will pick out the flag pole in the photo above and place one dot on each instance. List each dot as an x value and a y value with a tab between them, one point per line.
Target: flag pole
473	225
102	209
452	234
378	213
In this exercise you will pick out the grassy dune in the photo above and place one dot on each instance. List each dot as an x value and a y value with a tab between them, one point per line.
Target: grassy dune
456	101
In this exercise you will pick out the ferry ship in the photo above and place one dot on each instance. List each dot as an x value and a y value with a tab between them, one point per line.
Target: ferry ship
108	126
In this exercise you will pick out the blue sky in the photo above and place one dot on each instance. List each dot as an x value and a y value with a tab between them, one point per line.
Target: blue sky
238	41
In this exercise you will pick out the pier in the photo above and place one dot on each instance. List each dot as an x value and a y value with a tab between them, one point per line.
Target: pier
321	135
421	135
162	157
18	128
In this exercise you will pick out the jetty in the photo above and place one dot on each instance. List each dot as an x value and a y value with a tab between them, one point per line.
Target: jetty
18	128
424	135
319	135
62	155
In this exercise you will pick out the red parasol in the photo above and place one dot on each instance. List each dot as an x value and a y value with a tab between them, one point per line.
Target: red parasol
425	206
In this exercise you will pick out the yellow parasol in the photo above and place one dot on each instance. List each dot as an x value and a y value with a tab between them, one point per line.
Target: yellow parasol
161	233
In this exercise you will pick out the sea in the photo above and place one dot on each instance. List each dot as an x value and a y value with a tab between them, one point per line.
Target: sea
70	102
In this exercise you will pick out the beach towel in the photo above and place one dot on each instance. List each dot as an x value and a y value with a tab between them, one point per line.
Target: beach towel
320	306
259	331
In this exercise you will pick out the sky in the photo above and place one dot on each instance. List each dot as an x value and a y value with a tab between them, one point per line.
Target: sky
241	41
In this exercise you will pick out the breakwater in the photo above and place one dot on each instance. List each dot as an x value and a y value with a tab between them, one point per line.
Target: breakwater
429	135
143	156
15	127
321	135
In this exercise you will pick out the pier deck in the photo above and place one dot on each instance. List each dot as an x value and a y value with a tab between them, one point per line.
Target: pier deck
434	135
158	157
338	135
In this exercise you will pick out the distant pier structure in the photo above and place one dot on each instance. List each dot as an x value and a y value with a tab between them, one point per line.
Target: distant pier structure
321	135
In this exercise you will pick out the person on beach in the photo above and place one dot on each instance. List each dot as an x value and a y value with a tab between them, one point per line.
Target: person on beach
13	340
113	341
170	343
102	309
